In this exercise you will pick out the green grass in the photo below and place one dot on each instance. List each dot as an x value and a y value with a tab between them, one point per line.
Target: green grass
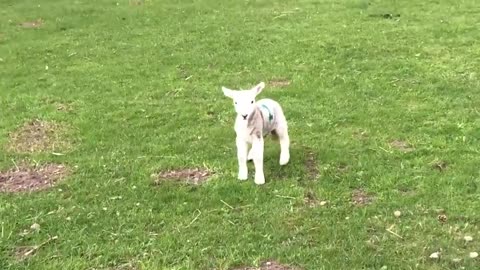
122	70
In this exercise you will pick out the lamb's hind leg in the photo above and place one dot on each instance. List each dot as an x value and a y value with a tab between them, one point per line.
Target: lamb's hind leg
282	132
284	147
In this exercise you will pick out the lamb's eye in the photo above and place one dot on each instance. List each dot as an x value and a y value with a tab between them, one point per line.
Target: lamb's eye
235	103
251	102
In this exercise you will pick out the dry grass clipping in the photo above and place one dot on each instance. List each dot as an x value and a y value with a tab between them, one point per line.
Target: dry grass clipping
279	83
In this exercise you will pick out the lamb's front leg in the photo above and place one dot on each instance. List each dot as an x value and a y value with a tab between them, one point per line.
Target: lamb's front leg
257	147
242	150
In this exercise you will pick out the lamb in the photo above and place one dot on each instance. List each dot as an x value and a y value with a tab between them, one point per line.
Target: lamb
255	120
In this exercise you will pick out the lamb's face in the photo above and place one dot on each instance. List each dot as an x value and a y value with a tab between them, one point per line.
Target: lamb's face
244	100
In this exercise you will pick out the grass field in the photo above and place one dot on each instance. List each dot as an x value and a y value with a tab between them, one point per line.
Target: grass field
384	115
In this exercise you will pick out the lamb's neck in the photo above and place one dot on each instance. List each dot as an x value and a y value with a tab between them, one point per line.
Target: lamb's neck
246	125
254	116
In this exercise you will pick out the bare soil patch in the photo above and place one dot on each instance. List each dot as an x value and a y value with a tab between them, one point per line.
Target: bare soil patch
361	198
21	253
279	82
32	24
440	165
38	136
360	134
442	218
184	73
125	266
311	165
193	176
406	191
310	199
62	107
343	168
211	114
24	252
268	265
401	146
31	178
385	15
59	104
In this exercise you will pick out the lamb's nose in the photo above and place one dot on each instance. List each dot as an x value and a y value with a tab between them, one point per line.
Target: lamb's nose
244	116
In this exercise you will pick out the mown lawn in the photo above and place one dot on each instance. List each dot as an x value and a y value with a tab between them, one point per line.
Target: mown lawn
384	116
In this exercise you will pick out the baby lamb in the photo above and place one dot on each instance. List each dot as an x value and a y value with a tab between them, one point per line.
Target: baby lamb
254	121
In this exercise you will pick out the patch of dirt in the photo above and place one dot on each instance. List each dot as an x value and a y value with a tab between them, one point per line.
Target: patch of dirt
279	82
31	178
125	266
343	168
440	165
442	218
38	136
405	191
32	24
268	265
184	73
62	107
311	165
194	176
22	253
310	199
386	15
25	252
401	146
361	198
360	134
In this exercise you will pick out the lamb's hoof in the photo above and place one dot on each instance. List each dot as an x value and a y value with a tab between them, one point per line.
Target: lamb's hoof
284	159
260	180
242	176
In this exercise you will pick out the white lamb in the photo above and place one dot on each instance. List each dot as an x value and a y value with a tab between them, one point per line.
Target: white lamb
254	121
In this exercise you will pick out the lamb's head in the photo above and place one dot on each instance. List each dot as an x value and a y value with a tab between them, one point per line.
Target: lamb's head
244	100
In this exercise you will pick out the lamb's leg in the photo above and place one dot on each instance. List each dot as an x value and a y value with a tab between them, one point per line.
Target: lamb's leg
250	154
242	149
257	147
282	131
284	149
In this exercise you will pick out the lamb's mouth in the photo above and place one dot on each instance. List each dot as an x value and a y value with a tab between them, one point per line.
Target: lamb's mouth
244	116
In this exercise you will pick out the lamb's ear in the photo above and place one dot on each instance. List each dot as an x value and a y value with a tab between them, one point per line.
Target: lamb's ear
258	88
227	92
